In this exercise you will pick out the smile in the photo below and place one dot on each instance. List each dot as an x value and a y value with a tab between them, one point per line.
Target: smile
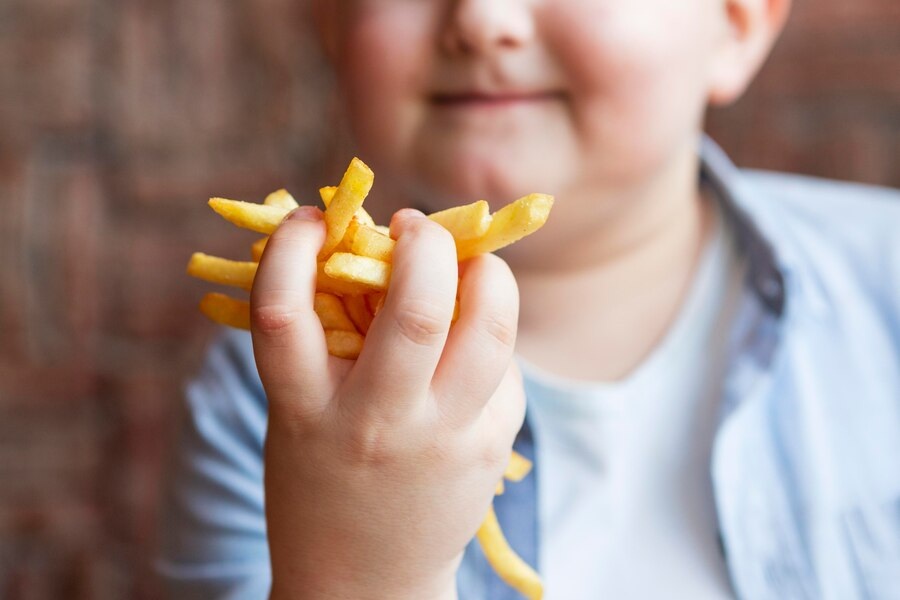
479	100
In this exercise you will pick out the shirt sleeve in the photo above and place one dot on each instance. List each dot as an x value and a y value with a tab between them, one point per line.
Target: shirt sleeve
213	529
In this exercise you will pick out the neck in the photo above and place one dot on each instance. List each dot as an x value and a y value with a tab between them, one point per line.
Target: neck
596	306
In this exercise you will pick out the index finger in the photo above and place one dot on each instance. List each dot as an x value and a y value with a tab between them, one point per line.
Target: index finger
288	340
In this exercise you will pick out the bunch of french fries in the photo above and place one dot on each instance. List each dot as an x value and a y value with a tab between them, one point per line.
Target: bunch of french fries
354	272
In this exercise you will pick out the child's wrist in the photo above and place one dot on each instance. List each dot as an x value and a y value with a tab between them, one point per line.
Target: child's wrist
286	588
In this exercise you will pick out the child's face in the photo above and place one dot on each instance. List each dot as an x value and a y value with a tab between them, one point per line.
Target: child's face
468	99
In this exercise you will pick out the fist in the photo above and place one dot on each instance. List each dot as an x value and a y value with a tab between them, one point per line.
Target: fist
378	471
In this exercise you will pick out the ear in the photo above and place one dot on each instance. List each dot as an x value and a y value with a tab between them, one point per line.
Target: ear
325	16
750	29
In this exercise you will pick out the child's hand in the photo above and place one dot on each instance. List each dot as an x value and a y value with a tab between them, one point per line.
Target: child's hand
379	472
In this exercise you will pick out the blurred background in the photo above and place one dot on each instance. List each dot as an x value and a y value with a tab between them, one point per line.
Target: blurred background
119	119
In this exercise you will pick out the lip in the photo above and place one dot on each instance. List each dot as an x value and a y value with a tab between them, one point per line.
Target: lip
488	100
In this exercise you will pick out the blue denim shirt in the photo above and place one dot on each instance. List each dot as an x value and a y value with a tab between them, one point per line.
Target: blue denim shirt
806	458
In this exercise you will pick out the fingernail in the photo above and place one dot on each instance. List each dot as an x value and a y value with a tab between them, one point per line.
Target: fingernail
410	213
305	213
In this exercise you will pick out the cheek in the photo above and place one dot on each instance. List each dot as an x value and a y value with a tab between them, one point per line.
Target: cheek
637	76
382	61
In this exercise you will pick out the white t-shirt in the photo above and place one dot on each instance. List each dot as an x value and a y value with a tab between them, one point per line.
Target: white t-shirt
625	499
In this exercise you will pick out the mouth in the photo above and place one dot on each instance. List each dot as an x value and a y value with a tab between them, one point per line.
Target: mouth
492	100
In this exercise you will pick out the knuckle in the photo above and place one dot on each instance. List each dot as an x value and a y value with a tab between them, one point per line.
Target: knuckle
495	454
421	322
500	327
299	228
496	269
293	419
294	236
368	444
272	319
425	233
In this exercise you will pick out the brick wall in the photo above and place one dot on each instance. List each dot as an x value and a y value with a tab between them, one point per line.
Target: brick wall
118	118
828	101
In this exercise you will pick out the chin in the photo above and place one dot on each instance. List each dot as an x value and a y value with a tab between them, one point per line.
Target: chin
498	176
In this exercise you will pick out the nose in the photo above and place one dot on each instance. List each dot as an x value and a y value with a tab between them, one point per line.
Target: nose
485	26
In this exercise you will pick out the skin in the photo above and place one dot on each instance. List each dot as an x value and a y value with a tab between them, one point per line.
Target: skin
379	472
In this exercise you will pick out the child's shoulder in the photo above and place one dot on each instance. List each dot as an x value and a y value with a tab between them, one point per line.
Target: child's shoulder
838	205
842	211
837	232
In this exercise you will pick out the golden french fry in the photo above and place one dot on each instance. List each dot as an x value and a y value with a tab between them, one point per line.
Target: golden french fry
505	562
258	247
466	222
374	274
225	310
343	246
343	344
359	312
241	274
331	313
327	193
347	242
350	234
330	285
222	271
368	241
348	198
517	468
281	199
509	224
247	215
382	229
498	491
365	218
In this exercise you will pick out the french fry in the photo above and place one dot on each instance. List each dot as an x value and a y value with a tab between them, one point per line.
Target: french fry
241	274
343	344
349	235
517	468
467	222
327	193
281	199
374	274
359	313
505	562
383	230
509	224
368	241
348	198
222	271
331	313
498	491
330	285
247	215
258	247
225	310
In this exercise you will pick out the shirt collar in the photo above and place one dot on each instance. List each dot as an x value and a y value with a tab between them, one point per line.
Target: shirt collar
765	275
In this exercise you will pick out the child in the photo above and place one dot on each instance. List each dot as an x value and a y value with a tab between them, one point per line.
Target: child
711	359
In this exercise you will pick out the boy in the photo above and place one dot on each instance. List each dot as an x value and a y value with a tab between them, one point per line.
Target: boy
710	358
